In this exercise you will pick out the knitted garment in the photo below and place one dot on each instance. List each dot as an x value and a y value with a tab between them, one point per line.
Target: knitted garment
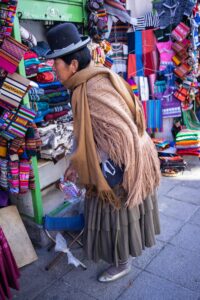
106	112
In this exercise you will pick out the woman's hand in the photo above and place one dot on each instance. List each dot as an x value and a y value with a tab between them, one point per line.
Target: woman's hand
70	174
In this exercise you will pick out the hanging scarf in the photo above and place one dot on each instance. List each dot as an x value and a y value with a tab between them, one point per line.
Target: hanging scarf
122	136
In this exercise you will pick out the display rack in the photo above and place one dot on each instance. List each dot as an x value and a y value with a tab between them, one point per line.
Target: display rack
52	10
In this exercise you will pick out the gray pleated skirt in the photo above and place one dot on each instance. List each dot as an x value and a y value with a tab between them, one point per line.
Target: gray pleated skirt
113	235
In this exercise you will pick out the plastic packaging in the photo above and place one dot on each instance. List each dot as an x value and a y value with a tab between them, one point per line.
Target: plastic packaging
61	246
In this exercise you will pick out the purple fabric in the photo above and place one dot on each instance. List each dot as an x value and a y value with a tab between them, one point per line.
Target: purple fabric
3	198
9	272
171	107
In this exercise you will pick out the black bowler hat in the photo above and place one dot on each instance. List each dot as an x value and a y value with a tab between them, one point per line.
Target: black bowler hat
65	39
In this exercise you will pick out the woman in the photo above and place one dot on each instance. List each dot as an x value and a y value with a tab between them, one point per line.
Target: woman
114	157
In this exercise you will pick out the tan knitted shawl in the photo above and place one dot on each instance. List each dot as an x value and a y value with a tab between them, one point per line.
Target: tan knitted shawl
116	127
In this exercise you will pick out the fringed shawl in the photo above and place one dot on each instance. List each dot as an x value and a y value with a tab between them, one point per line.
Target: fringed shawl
115	124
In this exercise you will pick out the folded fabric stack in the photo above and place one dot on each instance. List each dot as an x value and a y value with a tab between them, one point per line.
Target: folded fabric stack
50	101
56	139
188	142
31	62
171	164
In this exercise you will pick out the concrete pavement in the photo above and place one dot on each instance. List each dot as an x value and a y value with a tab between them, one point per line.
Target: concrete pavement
168	271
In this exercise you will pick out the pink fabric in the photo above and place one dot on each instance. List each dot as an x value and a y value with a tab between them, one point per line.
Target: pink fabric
166	54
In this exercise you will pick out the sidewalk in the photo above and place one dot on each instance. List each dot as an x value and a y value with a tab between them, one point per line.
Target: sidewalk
170	270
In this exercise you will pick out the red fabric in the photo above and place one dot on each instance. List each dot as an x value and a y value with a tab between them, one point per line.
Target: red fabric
46	77
148	41
55	115
9	273
150	62
132	71
30	54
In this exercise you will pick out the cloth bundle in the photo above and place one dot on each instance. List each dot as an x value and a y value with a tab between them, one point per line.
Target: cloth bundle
188	142
9	272
7	14
11	53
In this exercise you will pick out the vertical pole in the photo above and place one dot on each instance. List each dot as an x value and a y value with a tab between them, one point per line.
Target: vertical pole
36	194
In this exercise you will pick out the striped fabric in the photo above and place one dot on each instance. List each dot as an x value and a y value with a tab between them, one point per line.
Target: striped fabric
26	114
153	113
14	124
11	53
14	89
150	19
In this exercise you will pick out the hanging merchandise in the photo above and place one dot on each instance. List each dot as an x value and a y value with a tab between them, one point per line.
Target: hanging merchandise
13	90
171	12
171	107
11	53
153	112
166	54
180	32
7	14
97	20
142	58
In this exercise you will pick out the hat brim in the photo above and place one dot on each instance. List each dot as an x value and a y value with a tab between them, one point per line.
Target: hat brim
69	49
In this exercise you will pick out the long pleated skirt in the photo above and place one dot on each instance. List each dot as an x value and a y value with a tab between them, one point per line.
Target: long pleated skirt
114	235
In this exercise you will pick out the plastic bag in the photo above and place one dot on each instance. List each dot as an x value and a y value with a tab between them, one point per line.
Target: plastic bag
61	246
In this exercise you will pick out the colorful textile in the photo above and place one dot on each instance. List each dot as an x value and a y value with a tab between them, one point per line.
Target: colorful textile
55	115
14	89
29	55
188	142
153	110
11	53
4	173
180	32
31	62
24	171
118	32
166	54
119	57
13	177
46	77
7	14
15	122
171	107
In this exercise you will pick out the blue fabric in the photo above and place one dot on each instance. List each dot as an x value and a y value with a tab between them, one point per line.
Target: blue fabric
50	85
138	52
75	223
